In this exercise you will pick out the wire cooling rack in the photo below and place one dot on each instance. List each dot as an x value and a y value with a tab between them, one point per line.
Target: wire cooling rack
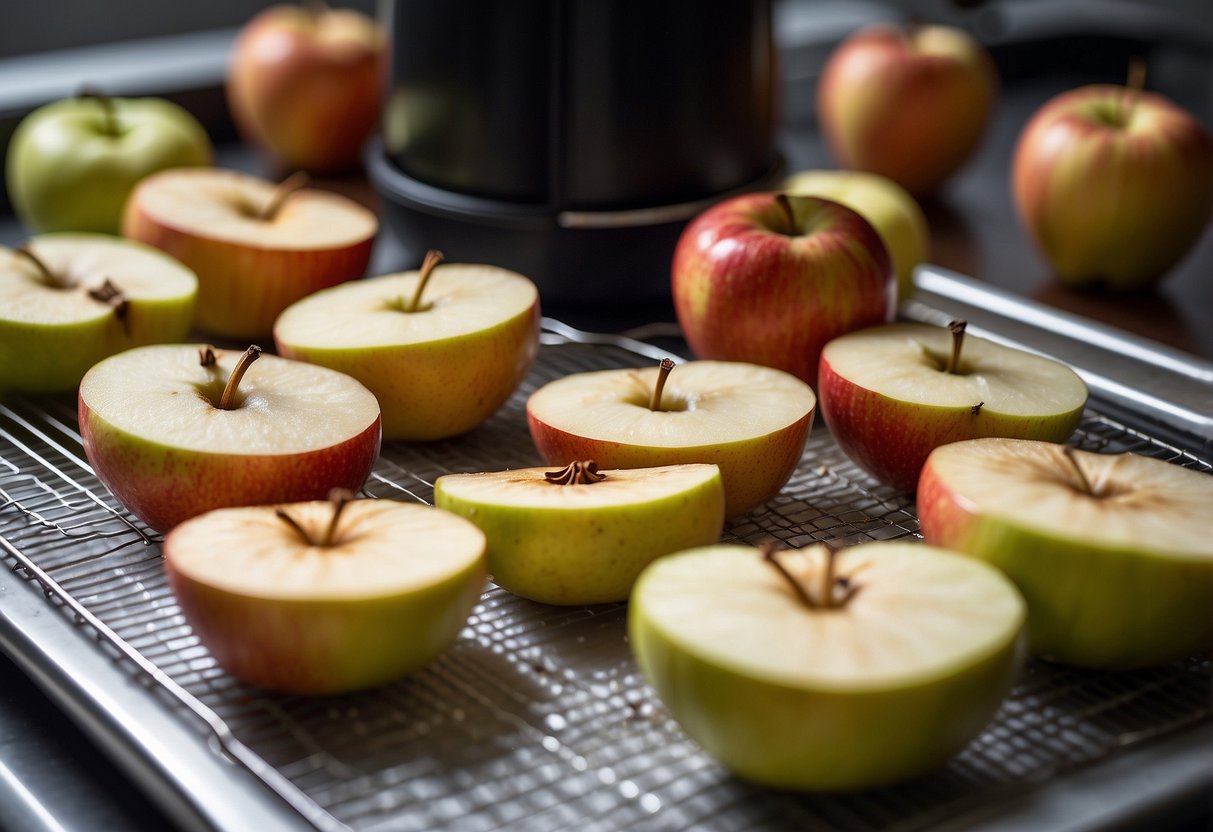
537	718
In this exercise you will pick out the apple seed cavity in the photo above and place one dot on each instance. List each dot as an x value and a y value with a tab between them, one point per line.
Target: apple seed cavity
227	400
577	473
833	592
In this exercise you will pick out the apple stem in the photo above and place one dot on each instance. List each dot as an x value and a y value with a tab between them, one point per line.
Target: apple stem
828	584
1134	84
769	550
282	192
789	214
1083	483
663	373
51	278
576	473
294	524
432	258
340	498
107	108
229	392
958	338
110	294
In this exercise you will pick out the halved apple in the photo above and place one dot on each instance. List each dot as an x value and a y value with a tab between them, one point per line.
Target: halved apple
317	598
749	420
176	430
891	394
580	535
442	348
828	671
69	300
1113	552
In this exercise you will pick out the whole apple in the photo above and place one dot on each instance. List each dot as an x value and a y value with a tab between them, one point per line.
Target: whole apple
770	279
305	83
72	164
890	208
910	103
1113	184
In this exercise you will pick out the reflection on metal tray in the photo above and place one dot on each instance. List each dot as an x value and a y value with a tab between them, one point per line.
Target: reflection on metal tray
537	718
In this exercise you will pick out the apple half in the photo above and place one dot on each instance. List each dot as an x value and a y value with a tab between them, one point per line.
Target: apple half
892	394
749	420
819	670
1113	552
442	348
579	535
256	247
177	430
69	300
322	598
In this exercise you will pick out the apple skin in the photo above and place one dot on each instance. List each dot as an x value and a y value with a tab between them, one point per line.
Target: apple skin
67	172
907	103
744	290
1111	202
1110	609
242	289
306	85
820	740
890	209
892	439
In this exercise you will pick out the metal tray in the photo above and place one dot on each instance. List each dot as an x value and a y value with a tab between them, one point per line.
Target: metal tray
537	718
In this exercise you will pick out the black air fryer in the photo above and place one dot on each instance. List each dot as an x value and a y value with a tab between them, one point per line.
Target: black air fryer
571	140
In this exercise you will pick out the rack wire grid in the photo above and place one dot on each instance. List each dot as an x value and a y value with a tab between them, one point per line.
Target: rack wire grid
537	718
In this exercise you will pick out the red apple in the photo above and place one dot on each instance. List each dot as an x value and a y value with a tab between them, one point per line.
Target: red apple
909	103
165	435
305	82
1113	184
256	247
769	279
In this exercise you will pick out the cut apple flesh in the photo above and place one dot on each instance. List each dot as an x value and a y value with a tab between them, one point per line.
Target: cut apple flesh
530	488
458	299
907	362
163	395
84	262
919	613
380	548
216	204
704	403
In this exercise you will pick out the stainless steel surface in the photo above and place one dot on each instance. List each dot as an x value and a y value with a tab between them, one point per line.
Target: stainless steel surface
537	718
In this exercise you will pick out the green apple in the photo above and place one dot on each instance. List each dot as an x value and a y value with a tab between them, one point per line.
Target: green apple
72	164
579	535
751	421
828	671
69	300
441	348
1113	552
890	208
894	393
320	598
256	246
176	430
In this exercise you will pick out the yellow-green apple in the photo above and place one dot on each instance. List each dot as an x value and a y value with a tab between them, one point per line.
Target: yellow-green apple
305	83
892	394
175	430
441	348
1113	184
749	420
890	209
578	535
68	300
1113	552
818	670
255	246
769	279
910	103
72	164
323	598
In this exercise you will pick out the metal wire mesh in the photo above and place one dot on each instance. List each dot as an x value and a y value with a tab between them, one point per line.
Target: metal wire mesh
537	718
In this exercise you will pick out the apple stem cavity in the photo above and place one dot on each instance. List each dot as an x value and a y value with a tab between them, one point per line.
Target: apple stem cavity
432	258
109	118
293	183
957	329
663	373
1084	484
789	214
830	582
340	498
576	473
226	401
51	278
